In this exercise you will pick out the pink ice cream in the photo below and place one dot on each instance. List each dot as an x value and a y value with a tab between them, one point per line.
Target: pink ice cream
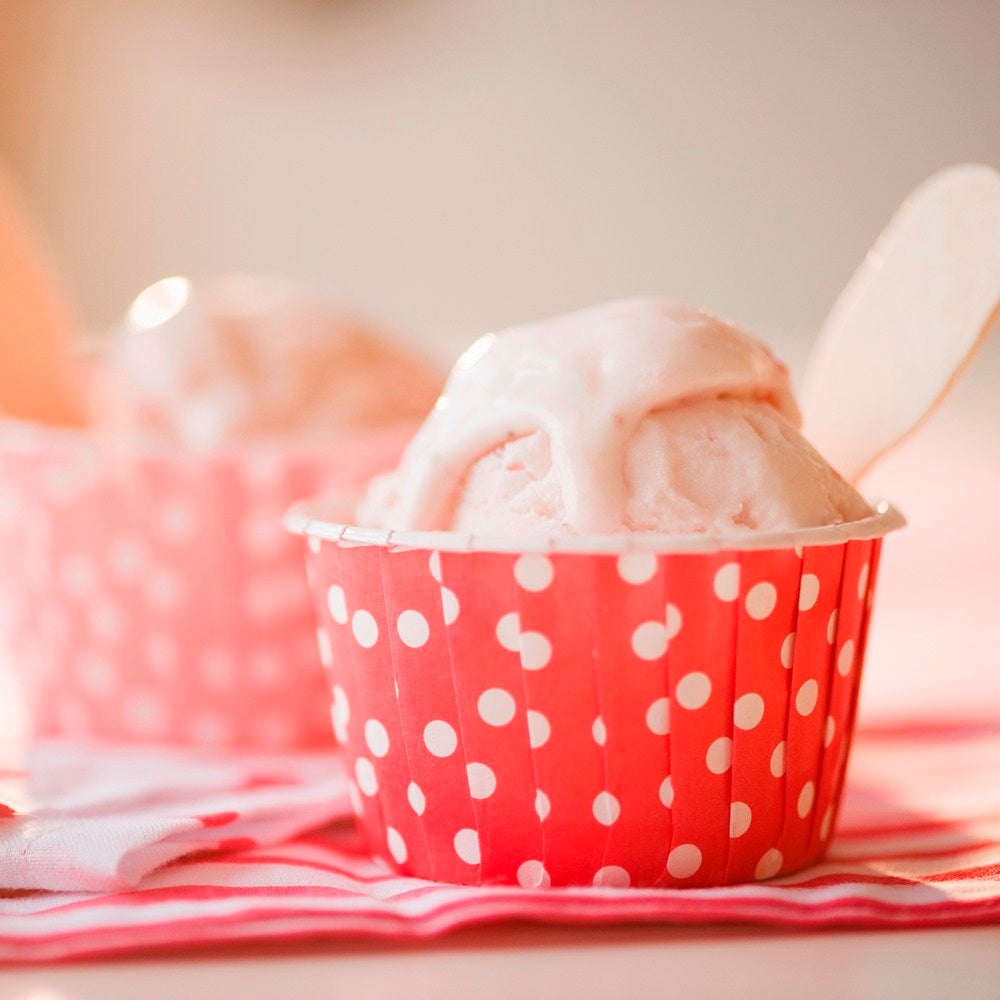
640	415
244	359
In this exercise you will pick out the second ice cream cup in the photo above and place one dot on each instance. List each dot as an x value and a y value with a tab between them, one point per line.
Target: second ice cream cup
155	596
627	710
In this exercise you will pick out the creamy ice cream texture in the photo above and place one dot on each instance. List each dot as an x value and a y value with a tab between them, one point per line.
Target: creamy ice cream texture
643	415
242	359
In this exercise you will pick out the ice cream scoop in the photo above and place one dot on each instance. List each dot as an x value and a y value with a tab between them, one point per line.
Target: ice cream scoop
243	359
638	415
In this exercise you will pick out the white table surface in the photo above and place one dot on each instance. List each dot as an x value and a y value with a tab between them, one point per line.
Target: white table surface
556	962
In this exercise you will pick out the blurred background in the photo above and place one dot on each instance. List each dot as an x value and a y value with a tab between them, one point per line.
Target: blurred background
459	165
455	166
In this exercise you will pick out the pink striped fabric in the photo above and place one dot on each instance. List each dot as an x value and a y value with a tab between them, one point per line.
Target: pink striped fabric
917	844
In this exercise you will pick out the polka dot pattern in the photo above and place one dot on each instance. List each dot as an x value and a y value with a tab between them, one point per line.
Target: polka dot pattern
412	628
533	572
532	875
496	707
466	843
748	711
440	738
643	727
365	629
163	593
482	781
761	600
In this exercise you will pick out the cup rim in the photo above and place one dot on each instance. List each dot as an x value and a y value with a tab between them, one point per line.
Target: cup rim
27	438
310	518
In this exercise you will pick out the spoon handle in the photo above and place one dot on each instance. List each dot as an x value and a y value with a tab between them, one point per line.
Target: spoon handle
909	320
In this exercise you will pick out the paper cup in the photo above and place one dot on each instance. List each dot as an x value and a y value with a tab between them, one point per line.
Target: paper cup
633	710
157	597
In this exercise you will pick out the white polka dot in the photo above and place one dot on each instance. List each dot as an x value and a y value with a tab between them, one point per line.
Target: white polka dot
364	771
467	846
612	877
161	654
496	707
532	875
808	591
533	572
355	796
826	824
778	760
147	715
674	621
683	861
276	729
719	757
727	582
77	575
365	629
434	565
828	730
341	714
176	521
845	660
761	600
449	606
336	602
831	627
397	846
106	621
376	737
769	865
806	797
539	729
748	711
667	791
217	668
97	675
509	631
542	805
315	543
412	628
693	690
788	651
739	819
325	646
606	809
482	780
649	640
599	731
440	738
636	567
415	796
658	717
536	650
805	700
125	558
262	534
863	580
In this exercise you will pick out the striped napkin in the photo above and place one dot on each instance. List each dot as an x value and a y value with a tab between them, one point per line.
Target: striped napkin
100	817
917	844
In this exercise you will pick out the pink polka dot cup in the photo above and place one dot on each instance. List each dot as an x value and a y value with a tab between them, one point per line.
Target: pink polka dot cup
157	597
612	711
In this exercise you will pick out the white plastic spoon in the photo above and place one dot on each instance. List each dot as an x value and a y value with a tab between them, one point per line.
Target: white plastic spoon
909	320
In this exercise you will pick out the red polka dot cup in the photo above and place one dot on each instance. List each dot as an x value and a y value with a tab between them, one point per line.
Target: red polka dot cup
633	710
158	598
